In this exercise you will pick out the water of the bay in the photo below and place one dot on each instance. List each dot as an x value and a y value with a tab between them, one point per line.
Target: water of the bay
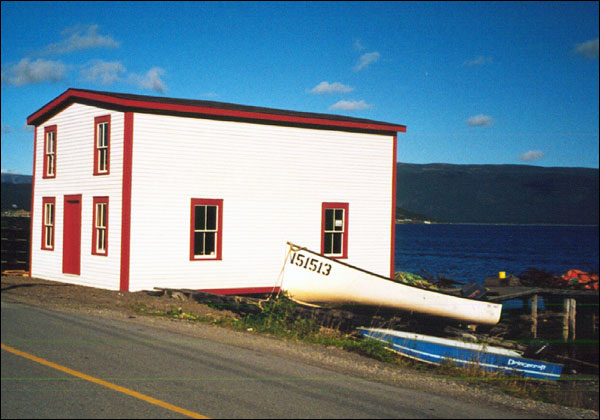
470	253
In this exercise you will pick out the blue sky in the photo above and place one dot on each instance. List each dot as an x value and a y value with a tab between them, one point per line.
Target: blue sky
475	83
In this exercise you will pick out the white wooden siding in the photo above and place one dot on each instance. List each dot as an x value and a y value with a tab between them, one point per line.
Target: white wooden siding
74	175
272	179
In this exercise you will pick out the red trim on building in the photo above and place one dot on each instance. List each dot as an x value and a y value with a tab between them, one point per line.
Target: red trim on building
99	200
200	108
99	120
243	291
126	201
50	128
393	230
219	234
345	207
31	216
48	200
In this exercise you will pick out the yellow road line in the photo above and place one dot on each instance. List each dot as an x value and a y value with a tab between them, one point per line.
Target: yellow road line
112	386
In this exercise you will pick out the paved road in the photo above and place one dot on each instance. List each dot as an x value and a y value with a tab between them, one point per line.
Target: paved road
200	375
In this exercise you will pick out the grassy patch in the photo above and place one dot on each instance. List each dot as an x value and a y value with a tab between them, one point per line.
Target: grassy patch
280	318
178	313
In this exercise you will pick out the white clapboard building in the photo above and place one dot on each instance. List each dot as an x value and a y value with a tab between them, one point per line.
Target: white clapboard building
134	192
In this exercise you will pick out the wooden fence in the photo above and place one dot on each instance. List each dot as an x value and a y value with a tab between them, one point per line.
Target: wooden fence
15	243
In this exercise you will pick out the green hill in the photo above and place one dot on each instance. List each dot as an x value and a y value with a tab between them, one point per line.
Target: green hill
519	194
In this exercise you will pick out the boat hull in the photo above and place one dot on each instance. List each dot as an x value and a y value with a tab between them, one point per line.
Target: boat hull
439	351
309	277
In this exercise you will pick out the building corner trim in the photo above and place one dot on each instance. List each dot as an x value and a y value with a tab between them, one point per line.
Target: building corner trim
393	229
126	202
31	217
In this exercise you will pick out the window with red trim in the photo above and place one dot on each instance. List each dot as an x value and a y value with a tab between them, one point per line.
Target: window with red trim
102	145
100	226
206	229
334	230
49	170
48	216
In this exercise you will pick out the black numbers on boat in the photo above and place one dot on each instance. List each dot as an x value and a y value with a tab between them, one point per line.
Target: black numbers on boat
311	264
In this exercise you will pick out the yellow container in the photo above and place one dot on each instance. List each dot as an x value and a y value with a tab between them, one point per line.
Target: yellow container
502	274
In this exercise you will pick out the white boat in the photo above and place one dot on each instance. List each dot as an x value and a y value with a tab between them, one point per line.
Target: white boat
311	278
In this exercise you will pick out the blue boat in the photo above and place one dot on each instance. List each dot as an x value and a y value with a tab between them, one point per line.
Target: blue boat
438	350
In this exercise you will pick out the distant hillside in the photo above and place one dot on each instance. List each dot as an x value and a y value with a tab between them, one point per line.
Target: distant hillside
518	194
16	192
405	216
15	179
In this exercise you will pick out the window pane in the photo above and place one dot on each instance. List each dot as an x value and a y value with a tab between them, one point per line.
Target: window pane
102	159
199	243
328	248
50	142
211	217
48	236
101	239
48	214
209	243
200	218
337	243
101	215
102	135
50	165
329	219
339	219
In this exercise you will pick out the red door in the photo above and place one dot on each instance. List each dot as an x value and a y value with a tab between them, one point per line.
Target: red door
72	235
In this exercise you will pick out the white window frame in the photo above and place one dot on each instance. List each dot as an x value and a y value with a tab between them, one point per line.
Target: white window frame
102	149
101	227
205	229
50	153
49	225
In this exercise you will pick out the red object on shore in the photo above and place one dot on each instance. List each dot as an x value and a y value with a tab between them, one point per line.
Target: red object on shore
581	280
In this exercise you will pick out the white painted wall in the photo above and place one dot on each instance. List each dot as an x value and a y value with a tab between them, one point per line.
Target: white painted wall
74	175
272	179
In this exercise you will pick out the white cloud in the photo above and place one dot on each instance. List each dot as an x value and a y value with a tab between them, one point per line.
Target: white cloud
150	81
479	61
9	171
38	71
6	129
588	49
325	87
480	120
104	72
366	59
531	156
350	105
358	45
81	37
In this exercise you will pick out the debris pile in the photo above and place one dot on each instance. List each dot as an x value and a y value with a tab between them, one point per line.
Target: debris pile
413	280
572	279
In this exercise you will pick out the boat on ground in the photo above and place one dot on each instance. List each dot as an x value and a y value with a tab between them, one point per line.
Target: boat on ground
439	351
311	278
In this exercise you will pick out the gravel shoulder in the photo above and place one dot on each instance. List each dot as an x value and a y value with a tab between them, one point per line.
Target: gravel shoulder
121	305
